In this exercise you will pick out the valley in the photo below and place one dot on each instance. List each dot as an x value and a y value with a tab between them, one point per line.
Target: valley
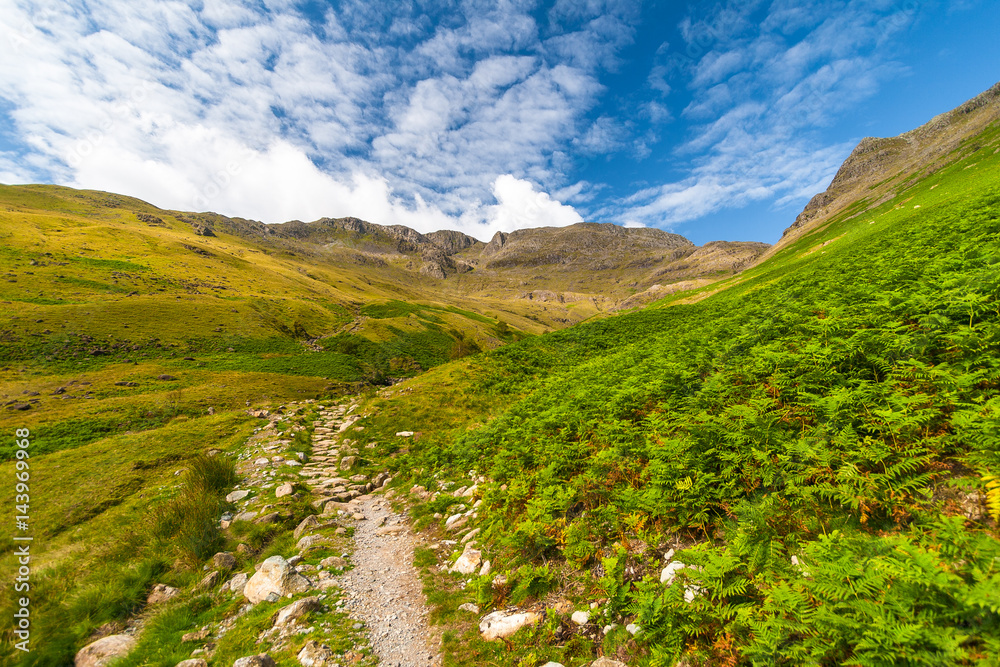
668	454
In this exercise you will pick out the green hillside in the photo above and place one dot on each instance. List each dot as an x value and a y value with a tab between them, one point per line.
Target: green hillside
818	443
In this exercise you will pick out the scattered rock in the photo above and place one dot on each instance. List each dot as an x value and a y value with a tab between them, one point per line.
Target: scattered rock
195	636
469	561
161	593
284	490
298	609
271	517
275	576
607	662
126	384
502	624
470	607
224	560
237	495
308	542
314	654
580	617
404	434
192	662
165	377
103	651
210	580
347	462
633	629
389	530
237	583
309	522
262	660
670	571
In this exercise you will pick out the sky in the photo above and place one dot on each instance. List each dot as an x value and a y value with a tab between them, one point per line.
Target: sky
715	120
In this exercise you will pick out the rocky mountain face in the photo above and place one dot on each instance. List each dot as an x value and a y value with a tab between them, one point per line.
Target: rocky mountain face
604	264
881	168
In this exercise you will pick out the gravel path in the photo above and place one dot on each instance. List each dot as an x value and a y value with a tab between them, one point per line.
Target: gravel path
383	590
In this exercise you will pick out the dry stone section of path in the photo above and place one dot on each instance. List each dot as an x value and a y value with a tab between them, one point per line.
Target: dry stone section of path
383	590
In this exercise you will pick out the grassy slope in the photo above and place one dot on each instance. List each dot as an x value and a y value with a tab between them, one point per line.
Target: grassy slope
838	403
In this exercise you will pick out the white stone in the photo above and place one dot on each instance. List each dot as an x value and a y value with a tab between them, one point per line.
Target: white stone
501	624
237	495
275	576
104	650
298	609
470	607
237	583
633	629
485	569
607	662
580	617
469	561
404	434
670	571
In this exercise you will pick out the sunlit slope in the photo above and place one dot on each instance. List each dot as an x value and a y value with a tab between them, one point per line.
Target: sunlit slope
839	404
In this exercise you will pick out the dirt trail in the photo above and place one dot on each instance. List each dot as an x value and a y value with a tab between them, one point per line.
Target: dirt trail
383	590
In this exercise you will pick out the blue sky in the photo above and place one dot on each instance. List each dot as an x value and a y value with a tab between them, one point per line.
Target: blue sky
716	120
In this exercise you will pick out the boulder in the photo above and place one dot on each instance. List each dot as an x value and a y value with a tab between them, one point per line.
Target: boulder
276	577
309	522
308	542
237	583
104	650
347	462
298	609
314	654
580	617
284	490
224	560
161	593
261	660
469	561
502	624
237	495
210	580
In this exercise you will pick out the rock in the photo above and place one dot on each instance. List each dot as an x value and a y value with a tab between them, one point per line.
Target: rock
347	462
192	662
245	516
298	609
607	662
580	617
501	624
309	522
973	505
471	534
123	383
469	561
195	636
284	490
237	495
553	664
333	561
262	461
485	569
210	580
211	411
165	377
389	530
308	542
275	576
103	651
314	654
224	560
161	593
261	660
633	629
404	434
470	607
237	583
670	571
271	517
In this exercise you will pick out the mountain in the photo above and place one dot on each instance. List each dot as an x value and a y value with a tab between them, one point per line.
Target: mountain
881	169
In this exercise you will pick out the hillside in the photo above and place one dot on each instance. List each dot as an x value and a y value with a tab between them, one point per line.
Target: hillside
796	464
